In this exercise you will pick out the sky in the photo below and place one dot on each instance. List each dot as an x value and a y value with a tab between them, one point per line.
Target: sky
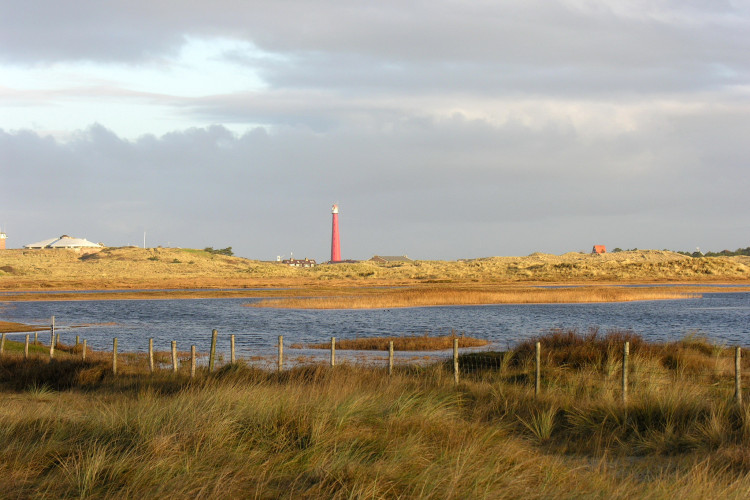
443	129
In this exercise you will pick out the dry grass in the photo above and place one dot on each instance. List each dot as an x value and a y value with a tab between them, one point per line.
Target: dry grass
445	295
70	429
173	268
410	343
11	327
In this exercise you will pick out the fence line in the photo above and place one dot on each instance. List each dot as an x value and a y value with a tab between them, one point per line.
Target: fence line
737	375
212	355
390	357
474	365
625	354
114	356
174	356
192	358
333	351
455	361
537	368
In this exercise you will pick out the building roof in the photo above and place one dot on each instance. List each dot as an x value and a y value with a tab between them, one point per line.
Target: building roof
299	262
64	241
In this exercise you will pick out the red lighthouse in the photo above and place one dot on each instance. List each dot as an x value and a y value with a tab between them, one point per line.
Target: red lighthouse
335	243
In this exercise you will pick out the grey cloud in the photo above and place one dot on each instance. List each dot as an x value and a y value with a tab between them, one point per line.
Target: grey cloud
531	46
431	188
355	112
43	32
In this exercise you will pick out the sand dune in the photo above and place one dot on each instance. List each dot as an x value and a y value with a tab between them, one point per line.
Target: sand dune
184	268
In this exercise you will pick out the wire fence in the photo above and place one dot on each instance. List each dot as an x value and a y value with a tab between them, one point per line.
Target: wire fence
543	369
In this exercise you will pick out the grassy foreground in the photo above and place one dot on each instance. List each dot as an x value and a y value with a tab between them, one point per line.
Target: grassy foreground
70	429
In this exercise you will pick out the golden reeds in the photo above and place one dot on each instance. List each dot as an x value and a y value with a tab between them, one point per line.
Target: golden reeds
408	343
446	295
11	327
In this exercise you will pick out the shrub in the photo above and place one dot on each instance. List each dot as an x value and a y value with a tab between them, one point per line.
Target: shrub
573	349
219	251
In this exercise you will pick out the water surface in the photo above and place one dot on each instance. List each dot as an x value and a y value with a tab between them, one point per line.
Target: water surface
723	317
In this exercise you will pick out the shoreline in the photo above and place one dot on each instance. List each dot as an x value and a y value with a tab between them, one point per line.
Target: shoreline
370	296
14	327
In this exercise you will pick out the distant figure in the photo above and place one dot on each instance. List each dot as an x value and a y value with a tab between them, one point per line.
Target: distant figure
599	249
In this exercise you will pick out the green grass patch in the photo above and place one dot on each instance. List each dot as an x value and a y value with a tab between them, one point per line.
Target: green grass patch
13	346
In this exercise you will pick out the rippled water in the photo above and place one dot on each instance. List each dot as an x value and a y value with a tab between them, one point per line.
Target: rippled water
724	317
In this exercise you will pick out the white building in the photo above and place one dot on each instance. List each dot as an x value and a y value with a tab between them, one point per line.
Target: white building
64	241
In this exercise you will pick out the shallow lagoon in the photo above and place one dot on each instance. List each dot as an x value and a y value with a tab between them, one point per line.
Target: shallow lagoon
723	317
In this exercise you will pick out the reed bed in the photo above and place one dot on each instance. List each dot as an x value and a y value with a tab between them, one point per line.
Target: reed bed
69	428
12	327
444	296
408	343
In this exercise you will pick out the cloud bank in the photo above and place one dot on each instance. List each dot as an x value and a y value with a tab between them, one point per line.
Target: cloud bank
444	130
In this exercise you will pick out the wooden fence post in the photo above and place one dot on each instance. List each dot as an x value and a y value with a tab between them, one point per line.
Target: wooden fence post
114	356
455	361
738	375
2	344
78	340
83	352
390	358
625	355
192	361
26	347
174	356
57	339
52	343
150	355
281	352
212	354
36	338
333	351
232	356
538	369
